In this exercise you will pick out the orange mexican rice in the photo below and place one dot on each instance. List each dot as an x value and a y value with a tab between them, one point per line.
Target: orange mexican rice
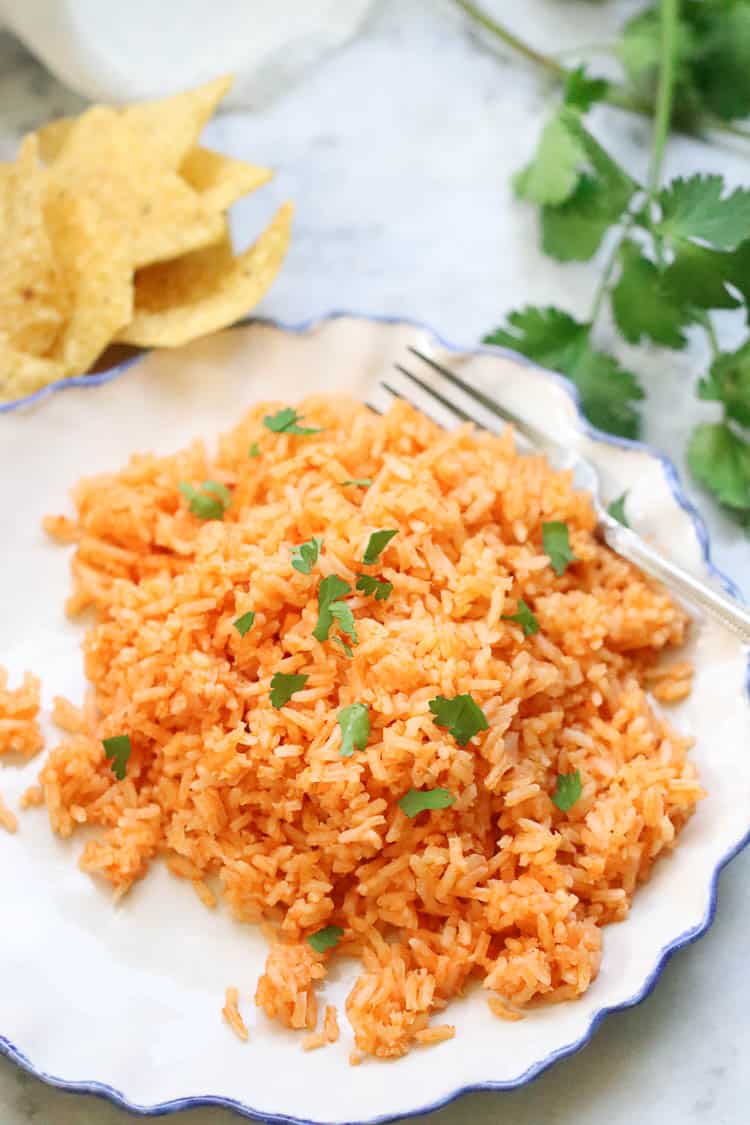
499	689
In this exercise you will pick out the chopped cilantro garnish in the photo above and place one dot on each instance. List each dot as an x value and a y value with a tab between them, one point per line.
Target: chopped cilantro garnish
287	421
354	721
419	800
306	554
342	614
360	482
617	510
207	507
254	450
378	541
245	623
460	716
556	543
327	938
330	589
374	586
348	650
567	790
283	687
523	617
118	748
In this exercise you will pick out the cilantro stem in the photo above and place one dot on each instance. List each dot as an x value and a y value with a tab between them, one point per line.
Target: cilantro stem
511	39
669	12
603	286
713	341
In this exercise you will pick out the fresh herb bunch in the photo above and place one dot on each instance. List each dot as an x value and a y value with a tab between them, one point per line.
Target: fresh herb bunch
672	254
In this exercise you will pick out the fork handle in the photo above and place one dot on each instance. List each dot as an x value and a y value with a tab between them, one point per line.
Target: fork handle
721	607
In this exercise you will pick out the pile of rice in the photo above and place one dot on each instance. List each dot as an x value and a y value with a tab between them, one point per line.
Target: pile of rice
502	887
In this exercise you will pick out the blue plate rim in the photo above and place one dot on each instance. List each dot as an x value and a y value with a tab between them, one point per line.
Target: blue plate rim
688	937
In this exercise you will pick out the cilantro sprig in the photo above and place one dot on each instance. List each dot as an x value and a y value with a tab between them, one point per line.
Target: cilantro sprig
525	618
556	544
327	938
287	421
245	623
376	544
284	685
676	252
568	790
354	721
461	716
211	503
377	588
332	609
305	556
422	800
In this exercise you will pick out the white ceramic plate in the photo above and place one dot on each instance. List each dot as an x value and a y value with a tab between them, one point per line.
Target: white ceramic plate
125	1000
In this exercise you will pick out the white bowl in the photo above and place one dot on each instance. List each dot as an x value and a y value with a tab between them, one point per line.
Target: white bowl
124	1001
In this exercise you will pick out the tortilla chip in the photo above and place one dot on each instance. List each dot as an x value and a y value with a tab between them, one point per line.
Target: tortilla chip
97	272
172	124
200	293
219	180
147	205
32	302
22	374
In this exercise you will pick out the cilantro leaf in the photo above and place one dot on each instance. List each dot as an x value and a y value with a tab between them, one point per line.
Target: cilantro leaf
573	231
306	554
348	650
721	70
567	790
420	800
695	208
581	91
374	586
287	421
729	382
639	47
244	624
354	721
359	482
640	305
612	175
556	543
330	590
254	450
720	460
525	618
342	614
552	174
377	543
207	507
118	749
617	510
327	938
283	687
460	716
554	339
699	276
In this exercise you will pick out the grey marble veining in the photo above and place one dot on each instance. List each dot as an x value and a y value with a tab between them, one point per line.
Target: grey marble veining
397	153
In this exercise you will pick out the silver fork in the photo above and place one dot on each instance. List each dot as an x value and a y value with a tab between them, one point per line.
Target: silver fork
489	414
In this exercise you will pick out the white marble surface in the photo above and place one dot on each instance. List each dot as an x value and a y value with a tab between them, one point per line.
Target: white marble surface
397	153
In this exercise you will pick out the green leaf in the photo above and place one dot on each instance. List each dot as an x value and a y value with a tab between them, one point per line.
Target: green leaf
283	687
327	938
244	624
374	586
354	721
729	382
330	590
639	47
696	208
581	91
343	616
305	556
118	749
556	544
525	618
614	177
617	510
287	421
552	174
640	305
211	504
720	460
460	716
420	800
554	339
568	790
698	276
721	70
254	450
348	650
377	543
359	482
573	231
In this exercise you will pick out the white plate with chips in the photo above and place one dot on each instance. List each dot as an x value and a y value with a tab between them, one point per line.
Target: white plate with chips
124	1000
